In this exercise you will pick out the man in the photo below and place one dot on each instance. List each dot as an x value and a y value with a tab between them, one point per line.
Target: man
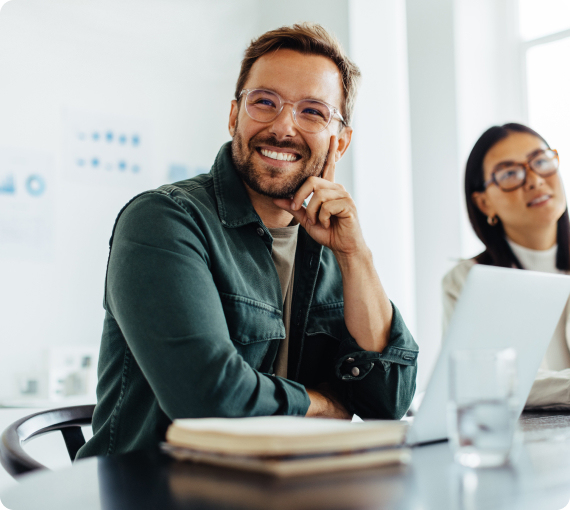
227	295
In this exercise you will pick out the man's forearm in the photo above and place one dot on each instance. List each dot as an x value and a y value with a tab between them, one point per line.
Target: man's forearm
325	405
367	309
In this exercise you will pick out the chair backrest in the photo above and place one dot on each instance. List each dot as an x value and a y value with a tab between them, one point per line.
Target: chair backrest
68	420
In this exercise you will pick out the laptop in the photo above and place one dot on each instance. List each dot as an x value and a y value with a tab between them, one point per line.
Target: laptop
498	308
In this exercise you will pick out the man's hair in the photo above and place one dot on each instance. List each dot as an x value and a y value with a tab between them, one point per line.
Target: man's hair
310	39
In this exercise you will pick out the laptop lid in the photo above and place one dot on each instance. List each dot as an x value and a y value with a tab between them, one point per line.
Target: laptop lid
497	308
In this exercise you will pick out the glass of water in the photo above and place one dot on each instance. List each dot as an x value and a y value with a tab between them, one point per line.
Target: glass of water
482	406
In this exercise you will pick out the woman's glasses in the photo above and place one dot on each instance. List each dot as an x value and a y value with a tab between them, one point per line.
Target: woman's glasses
510	176
309	114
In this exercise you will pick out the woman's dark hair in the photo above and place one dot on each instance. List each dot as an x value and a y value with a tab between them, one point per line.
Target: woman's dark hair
498	252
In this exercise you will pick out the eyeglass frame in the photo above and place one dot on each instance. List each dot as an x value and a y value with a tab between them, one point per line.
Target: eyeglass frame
526	166
332	109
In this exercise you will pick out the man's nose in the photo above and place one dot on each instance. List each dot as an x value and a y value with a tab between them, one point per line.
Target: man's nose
283	126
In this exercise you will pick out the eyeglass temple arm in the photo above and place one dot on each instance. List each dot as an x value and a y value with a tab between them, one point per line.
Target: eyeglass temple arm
340	117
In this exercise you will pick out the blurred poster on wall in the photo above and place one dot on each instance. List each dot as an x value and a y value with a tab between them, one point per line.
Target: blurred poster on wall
26	204
105	150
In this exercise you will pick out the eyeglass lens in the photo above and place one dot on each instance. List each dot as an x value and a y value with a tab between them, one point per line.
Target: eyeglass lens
264	106
512	176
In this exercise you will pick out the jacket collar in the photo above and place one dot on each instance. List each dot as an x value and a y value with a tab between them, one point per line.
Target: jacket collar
234	206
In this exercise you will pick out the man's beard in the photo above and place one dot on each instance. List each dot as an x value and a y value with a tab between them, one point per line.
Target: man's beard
243	160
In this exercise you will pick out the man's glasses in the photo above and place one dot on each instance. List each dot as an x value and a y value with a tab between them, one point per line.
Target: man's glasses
510	176
310	115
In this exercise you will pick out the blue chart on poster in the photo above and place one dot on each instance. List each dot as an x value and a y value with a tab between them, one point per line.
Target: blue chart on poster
7	184
26	204
35	185
106	150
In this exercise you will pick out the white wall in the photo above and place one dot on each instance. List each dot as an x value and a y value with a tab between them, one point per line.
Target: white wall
490	88
435	178
381	146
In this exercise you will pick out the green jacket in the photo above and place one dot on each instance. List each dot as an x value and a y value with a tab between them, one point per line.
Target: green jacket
194	320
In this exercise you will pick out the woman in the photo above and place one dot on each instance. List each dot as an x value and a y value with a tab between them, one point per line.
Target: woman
517	207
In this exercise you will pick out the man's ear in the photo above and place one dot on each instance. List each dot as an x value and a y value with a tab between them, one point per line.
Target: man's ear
233	118
344	138
479	198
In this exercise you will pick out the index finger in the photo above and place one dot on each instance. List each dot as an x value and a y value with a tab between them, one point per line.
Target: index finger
328	171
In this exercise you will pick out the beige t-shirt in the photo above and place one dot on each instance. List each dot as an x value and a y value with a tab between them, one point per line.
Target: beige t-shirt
283	255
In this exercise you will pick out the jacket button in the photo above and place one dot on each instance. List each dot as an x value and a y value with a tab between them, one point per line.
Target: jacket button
355	371
350	360
260	231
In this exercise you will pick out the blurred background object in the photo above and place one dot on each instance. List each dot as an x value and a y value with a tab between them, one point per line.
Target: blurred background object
103	99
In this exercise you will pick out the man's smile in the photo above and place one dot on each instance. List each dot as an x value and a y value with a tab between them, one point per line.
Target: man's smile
278	156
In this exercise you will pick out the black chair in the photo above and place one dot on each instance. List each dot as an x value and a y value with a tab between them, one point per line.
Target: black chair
68	420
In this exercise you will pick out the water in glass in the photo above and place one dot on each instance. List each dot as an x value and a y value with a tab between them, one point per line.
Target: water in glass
482	407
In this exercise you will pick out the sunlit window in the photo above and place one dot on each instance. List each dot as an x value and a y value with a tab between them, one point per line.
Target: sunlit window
548	72
548	76
543	17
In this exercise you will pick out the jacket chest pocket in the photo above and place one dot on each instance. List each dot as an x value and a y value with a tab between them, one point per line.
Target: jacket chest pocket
327	320
256	329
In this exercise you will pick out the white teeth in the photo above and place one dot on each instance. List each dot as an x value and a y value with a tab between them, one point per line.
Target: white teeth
538	200
280	156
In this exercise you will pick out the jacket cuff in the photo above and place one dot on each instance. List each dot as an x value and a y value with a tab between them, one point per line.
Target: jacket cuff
296	399
354	363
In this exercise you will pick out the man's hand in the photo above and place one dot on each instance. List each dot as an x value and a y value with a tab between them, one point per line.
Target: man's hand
330	218
324	404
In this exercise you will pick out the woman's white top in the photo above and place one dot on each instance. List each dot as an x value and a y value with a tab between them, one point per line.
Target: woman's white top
551	387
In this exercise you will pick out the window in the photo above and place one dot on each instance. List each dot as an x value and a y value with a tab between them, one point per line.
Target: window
539	18
545	33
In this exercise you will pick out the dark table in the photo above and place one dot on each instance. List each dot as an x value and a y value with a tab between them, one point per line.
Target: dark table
537	479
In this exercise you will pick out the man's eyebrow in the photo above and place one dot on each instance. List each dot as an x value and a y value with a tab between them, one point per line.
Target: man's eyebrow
280	94
315	99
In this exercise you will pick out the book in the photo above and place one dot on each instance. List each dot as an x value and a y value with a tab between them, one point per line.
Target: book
287	445
200	485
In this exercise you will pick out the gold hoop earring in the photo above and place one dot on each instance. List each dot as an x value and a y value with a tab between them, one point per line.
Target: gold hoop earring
492	220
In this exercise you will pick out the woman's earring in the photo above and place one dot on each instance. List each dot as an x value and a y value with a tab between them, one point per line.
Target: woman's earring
492	220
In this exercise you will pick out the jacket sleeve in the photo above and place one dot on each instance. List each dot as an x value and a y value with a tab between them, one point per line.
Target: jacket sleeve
162	294
378	385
